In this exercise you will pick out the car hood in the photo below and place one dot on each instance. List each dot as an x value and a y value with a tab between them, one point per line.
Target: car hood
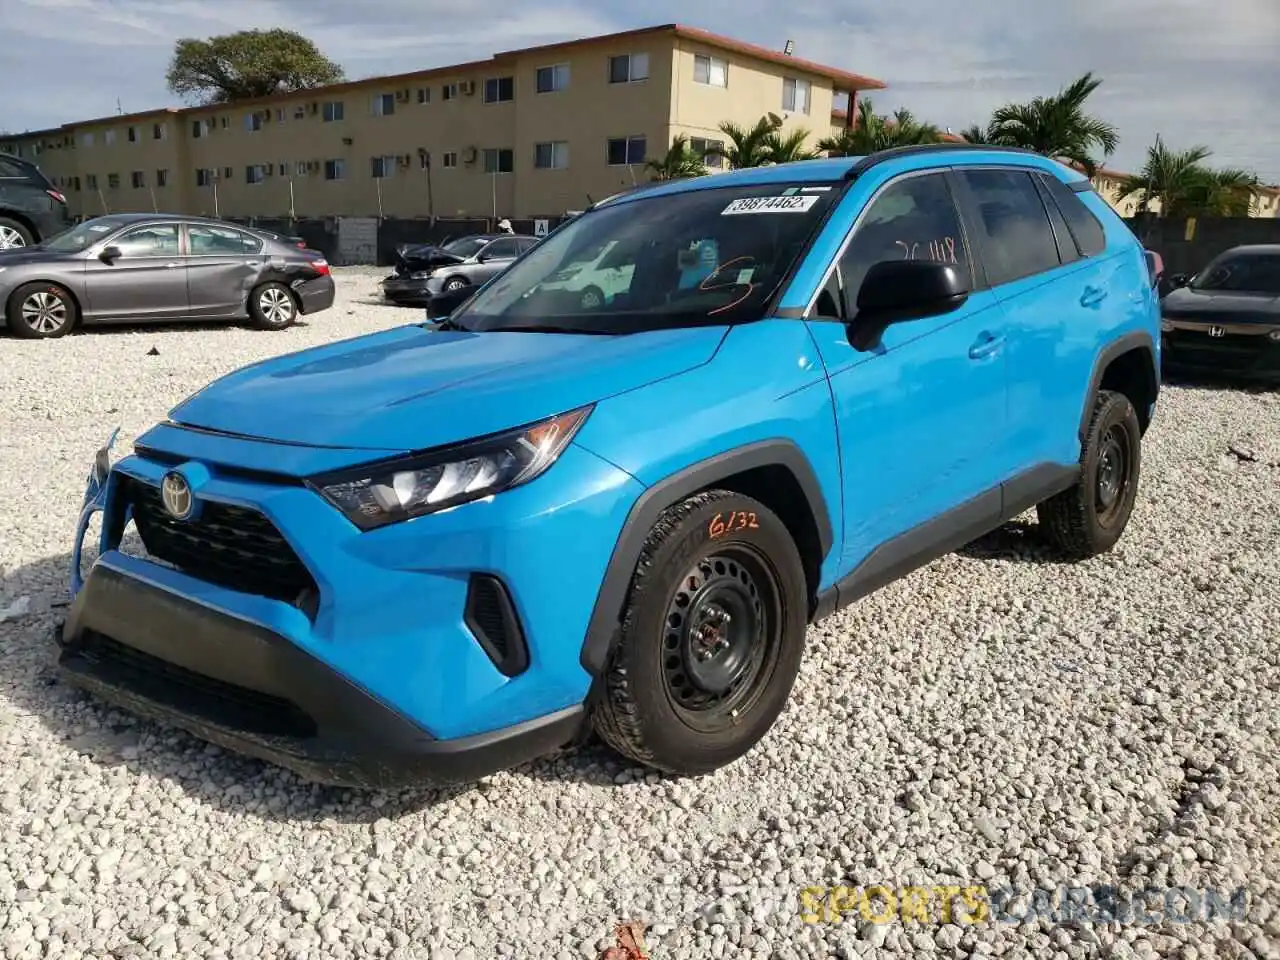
16	256
1187	304
423	256
416	387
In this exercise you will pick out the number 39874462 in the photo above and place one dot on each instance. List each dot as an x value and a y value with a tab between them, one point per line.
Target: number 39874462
723	524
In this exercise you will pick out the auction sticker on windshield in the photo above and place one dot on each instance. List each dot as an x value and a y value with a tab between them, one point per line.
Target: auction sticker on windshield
793	204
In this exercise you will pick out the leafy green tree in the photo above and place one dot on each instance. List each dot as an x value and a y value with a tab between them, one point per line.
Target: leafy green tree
785	148
749	146
248	64
1057	126
680	162
1185	185
872	132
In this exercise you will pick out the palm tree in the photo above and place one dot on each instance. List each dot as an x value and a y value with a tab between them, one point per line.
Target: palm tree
780	148
976	134
871	132
1058	126
680	163
748	146
1185	185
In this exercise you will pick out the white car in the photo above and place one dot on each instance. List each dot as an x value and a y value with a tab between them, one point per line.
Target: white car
598	277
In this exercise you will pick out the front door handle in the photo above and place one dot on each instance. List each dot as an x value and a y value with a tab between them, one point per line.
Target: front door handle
987	344
1092	296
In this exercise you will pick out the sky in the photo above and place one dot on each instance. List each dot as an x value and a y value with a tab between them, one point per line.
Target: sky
1195	73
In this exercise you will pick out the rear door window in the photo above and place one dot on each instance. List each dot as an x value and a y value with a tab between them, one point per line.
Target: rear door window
1012	225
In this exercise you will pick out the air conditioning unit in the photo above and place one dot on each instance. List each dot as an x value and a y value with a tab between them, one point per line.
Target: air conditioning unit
403	160
469	155
402	96
299	112
313	166
314	108
468	87
268	171
265	115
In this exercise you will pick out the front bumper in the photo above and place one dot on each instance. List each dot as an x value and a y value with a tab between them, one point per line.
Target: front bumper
1239	350
251	690
400	289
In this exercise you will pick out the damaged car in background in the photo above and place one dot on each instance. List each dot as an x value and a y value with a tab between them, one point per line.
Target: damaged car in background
424	270
142	268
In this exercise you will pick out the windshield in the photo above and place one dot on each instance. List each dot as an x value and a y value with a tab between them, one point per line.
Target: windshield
82	236
1241	273
465	246
711	256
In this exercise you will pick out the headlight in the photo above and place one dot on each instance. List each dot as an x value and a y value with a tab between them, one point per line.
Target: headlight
1274	334
378	494
420	275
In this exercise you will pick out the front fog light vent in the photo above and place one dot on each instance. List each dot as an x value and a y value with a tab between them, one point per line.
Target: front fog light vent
491	617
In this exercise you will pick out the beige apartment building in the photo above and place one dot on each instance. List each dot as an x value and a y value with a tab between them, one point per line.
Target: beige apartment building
527	133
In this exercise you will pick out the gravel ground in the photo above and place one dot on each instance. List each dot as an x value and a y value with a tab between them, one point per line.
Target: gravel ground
996	718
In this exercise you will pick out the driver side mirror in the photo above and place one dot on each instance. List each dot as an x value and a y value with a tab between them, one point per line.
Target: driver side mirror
1178	279
894	291
110	254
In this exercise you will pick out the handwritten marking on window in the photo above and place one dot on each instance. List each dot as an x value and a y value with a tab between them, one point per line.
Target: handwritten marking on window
943	250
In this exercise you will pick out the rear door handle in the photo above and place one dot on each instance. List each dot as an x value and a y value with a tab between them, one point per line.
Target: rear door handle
1092	296
988	344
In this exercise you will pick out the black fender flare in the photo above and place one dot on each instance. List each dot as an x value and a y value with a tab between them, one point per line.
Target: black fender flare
1134	339
604	624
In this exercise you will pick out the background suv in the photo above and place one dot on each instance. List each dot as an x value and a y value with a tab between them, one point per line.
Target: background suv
437	550
31	210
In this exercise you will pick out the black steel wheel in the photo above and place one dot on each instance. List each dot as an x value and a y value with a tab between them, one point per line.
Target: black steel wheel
712	636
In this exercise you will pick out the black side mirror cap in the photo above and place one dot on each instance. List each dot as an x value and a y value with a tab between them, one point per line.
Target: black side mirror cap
109	254
895	291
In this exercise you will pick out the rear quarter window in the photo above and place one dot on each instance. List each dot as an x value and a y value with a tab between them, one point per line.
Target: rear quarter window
1085	228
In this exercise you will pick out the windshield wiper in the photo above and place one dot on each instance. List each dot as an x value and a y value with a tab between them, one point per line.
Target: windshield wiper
448	323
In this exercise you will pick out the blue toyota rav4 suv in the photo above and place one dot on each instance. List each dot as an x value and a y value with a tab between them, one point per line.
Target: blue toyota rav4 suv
435	551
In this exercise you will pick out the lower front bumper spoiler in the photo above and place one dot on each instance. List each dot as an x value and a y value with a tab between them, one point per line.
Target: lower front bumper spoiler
252	691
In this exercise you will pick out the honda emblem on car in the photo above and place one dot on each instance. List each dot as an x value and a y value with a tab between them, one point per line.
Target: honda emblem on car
175	492
1217	331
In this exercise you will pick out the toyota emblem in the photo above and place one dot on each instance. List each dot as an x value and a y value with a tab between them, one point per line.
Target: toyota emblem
175	492
1217	332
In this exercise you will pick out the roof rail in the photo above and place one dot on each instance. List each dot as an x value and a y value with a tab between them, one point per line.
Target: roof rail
893	153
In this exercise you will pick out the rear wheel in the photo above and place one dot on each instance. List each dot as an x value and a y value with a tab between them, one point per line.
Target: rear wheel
592	298
712	636
272	306
1089	518
14	234
41	311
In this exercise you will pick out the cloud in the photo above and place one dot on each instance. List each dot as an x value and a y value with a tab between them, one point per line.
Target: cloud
1175	67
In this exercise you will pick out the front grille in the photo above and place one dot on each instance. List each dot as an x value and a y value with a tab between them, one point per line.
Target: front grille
216	701
233	547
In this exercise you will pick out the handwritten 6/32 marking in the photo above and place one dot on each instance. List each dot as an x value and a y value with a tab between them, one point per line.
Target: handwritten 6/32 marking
738	520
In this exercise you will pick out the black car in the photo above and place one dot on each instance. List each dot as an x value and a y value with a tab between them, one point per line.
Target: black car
31	209
1225	321
424	270
143	267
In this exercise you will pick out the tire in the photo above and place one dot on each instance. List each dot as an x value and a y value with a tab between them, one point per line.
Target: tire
1089	518
591	298
272	307
41	311
14	234
661	704
454	283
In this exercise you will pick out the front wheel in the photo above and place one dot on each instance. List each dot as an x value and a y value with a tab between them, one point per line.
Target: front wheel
454	283
41	311
14	234
712	636
272	307
1088	518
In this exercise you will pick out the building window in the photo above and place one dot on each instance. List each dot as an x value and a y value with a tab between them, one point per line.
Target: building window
75	184
449	91
87	140
498	160
333	111
551	156
299	112
795	95
226	122
255	173
159	131
280	115
198	129
629	68
113	181
711	152
132	133
449	158
137	179
335	169
384	104
382	167
711	70
91	180
625	151
499	89
424	94
228	173
162	178
109	137
253	121
553	79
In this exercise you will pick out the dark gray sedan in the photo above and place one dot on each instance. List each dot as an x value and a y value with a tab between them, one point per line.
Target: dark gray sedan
141	268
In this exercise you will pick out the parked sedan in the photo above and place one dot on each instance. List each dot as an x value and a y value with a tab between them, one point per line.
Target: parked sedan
425	270
1225	321
148	267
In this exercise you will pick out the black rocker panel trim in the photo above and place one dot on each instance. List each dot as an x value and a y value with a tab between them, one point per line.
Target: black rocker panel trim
946	533
604	623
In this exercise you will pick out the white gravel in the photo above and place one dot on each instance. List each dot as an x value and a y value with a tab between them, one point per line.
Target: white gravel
995	718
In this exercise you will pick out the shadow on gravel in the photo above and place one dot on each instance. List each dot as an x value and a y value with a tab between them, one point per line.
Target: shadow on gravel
111	737
191	326
1018	541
